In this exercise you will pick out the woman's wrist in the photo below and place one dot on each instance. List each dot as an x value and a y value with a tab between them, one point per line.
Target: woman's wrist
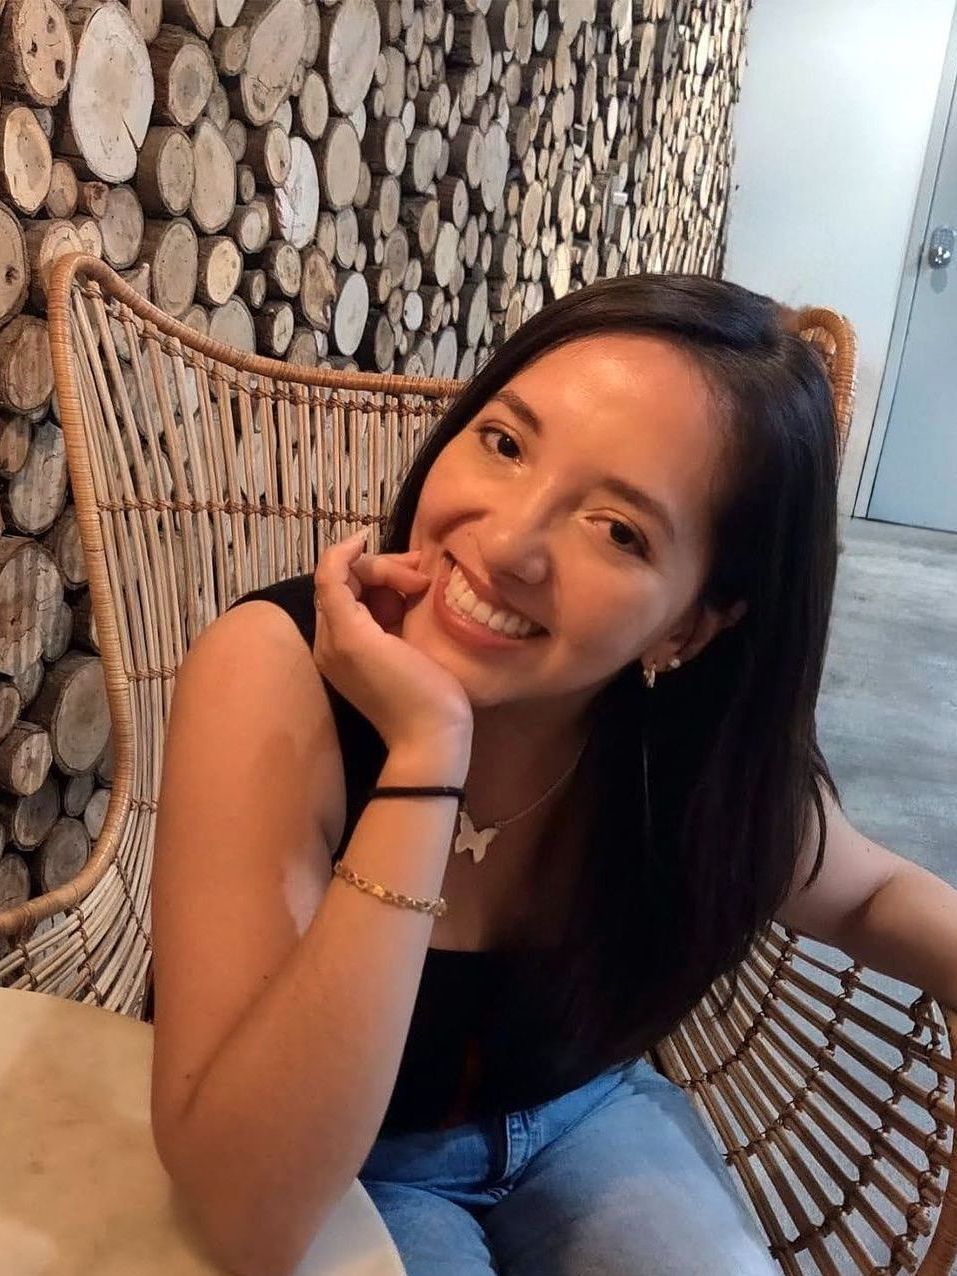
432	762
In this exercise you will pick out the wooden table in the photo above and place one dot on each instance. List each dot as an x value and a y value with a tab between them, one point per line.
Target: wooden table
82	1191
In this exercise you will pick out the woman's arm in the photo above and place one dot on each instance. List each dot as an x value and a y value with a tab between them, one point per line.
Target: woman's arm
881	909
283	996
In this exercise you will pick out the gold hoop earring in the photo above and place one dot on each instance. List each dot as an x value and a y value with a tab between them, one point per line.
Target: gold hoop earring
649	675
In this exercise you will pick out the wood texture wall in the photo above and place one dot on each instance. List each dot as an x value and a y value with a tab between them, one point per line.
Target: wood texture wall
389	184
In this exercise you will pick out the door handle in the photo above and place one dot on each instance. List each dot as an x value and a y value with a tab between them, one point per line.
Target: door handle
941	247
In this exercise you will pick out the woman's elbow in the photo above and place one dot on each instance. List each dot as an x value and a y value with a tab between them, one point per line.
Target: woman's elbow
237	1248
241	1240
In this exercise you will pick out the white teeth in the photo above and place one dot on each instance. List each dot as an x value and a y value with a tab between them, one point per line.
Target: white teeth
459	596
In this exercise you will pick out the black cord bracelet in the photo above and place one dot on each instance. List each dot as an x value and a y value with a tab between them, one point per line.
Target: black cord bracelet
403	790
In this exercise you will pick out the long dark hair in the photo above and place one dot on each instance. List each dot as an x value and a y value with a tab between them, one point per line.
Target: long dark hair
703	785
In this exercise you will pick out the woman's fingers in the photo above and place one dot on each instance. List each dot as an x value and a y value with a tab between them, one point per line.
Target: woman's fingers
385	570
334	575
376	575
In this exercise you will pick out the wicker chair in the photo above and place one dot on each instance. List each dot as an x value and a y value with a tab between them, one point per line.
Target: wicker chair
200	472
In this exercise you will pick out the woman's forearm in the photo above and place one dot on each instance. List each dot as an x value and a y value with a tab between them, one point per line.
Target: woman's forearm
283	1117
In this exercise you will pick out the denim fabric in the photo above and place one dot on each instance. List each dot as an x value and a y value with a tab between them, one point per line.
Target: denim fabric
619	1177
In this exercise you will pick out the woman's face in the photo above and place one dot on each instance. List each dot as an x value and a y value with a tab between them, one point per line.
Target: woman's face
539	514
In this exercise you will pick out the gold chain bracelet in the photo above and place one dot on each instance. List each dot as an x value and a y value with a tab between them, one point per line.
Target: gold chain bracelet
437	907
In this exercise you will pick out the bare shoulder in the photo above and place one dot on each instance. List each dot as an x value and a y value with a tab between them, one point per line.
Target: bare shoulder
282	662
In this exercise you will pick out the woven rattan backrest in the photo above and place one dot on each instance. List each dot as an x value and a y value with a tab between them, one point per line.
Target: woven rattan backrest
201	472
833	337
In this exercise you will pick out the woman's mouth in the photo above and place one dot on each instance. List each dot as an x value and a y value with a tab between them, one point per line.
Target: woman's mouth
473	621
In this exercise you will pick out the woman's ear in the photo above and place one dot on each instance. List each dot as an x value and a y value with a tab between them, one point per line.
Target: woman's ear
707	624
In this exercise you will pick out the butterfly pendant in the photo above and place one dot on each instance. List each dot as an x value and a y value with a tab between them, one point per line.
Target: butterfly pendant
471	839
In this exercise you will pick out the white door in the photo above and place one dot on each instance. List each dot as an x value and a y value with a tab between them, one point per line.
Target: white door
916	479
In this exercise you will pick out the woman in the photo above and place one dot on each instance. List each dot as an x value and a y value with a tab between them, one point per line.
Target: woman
597	626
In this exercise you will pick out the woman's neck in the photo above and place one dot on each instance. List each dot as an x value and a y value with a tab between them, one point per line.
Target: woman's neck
518	755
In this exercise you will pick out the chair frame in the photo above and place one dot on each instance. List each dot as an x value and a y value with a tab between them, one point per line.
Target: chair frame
693	1056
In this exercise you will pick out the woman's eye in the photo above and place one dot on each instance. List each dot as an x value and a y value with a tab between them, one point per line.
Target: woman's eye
492	429
635	543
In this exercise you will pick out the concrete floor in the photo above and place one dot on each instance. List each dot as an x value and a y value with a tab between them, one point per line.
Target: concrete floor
887	718
887	713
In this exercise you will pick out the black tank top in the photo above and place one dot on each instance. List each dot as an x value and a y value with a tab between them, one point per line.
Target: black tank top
486	1034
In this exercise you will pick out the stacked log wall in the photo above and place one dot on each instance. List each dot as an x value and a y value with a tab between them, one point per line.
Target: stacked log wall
393	185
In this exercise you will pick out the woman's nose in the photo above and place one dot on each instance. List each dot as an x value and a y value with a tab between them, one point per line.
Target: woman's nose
518	546
516	556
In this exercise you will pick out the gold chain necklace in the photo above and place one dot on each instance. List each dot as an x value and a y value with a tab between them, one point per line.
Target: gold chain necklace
469	838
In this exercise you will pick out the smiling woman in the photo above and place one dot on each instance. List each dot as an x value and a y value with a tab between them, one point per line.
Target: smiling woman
647	469
646	472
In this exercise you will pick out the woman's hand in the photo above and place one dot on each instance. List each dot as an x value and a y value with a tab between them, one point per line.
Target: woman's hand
361	600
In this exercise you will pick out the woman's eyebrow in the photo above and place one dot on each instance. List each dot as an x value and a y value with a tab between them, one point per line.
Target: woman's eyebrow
520	408
636	496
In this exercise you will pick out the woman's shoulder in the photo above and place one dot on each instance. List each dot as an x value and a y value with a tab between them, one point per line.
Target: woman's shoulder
294	596
362	749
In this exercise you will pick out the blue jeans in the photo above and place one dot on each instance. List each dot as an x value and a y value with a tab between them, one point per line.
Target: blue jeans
619	1177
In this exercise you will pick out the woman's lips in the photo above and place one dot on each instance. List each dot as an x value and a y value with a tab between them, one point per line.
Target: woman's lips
465	630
